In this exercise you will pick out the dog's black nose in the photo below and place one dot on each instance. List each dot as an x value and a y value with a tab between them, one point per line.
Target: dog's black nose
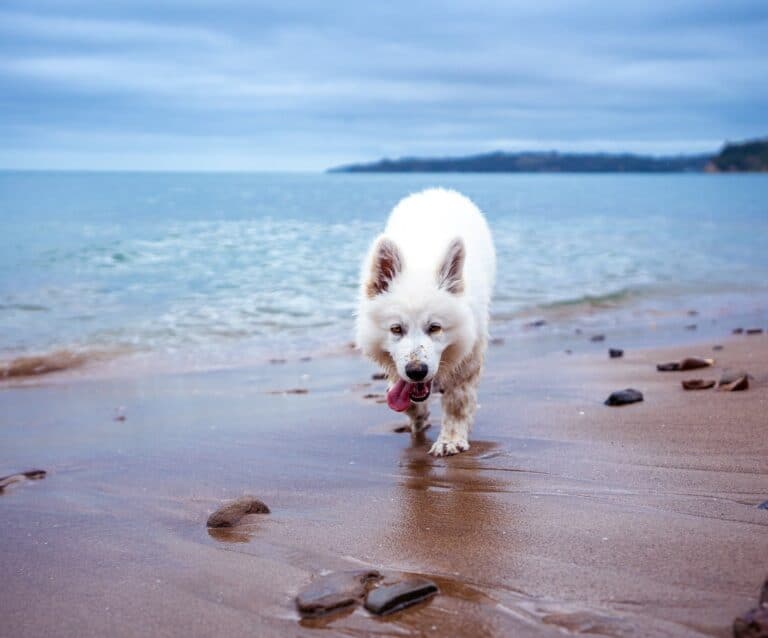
416	371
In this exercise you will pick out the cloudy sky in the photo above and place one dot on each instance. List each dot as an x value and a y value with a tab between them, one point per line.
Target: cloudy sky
251	85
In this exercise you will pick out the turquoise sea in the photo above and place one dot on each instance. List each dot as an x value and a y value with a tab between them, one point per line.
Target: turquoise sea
229	265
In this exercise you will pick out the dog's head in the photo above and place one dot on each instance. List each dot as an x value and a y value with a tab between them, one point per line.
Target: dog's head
413	319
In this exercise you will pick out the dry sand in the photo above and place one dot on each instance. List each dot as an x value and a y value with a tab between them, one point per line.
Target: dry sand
566	515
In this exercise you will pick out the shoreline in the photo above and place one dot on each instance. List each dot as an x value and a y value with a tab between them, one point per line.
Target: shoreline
641	322
564	515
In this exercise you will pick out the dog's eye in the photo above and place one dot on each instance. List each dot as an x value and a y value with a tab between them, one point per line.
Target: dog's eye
396	329
434	328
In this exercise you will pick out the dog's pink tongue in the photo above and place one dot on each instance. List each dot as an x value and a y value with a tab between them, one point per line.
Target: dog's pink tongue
399	396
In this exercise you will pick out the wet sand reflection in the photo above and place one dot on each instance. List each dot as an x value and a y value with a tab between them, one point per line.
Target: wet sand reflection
450	520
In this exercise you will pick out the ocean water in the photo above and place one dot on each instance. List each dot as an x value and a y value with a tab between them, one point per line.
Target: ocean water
228	264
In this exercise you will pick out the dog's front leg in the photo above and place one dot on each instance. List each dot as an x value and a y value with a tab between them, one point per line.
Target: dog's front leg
419	415
459	406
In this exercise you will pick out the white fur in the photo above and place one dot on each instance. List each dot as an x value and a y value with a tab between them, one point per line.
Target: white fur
423	228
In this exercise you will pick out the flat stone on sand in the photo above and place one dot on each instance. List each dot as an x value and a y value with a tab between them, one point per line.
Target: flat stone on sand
615	353
229	515
689	363
698	384
624	397
391	598
335	591
733	381
29	475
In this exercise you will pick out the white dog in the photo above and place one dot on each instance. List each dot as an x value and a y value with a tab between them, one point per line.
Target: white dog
423	312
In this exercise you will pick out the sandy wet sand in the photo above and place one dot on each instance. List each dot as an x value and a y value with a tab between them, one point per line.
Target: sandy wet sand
565	514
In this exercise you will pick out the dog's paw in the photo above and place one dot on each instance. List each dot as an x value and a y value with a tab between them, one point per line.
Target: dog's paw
449	448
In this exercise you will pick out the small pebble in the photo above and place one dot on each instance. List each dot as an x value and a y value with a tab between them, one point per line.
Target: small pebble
615	353
733	381
336	591
624	397
535	324
391	598
379	376
717	347
691	326
497	341
689	363
229	515
754	331
597	338
31	475
698	384
737	331
277	360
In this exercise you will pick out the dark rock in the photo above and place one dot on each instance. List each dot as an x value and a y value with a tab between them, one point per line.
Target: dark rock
689	363
373	395
698	384
290	391
694	363
615	353
597	338
379	376
229	515
717	347
305	359
335	592
578	331
624	397
764	506
691	326
277	360
497	341
535	324
754	331
753	624
391	598
29	475
733	381
764	594
569	351
737	331
693	313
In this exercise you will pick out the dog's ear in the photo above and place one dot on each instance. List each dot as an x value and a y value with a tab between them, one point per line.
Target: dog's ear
450	273
387	263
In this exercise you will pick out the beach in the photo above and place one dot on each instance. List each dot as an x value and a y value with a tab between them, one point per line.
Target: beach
565	515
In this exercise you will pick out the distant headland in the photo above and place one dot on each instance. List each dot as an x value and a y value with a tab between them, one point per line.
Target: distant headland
750	156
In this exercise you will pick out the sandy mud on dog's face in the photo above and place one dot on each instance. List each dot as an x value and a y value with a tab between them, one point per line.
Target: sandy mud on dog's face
416	348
